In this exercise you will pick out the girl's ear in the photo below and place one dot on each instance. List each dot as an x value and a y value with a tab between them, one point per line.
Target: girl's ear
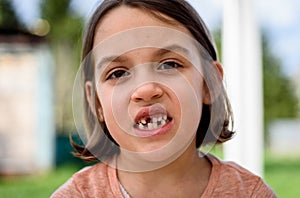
206	95
93	101
207	98
220	68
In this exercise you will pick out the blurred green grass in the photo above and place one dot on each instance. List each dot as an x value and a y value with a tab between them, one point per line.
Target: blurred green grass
282	174
37	186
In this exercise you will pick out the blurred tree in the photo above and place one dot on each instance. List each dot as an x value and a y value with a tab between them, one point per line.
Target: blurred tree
280	100
66	26
217	35
65	40
8	17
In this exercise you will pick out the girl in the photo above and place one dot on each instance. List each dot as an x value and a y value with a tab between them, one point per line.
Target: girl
153	95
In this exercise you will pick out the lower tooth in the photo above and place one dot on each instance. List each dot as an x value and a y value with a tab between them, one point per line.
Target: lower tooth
141	126
153	125
150	126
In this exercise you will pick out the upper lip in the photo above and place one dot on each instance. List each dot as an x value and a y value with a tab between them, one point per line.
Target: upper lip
147	112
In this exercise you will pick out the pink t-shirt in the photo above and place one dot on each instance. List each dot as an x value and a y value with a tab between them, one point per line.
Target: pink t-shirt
227	179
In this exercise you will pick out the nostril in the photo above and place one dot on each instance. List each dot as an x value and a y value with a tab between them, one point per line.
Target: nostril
156	96
137	99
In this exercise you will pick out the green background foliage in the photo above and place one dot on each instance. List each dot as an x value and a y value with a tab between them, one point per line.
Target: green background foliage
8	17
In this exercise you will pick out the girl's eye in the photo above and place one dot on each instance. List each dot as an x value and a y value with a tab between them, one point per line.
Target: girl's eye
118	74
169	65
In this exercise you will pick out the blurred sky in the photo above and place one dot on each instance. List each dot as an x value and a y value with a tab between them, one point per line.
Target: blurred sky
280	19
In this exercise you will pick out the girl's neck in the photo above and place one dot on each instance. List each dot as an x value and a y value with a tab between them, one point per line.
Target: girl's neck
188	172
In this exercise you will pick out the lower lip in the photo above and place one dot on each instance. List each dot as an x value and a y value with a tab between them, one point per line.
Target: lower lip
155	133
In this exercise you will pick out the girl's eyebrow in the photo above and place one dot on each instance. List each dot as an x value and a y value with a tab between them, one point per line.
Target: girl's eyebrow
160	52
109	59
173	49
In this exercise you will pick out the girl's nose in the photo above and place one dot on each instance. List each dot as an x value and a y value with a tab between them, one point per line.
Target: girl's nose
147	92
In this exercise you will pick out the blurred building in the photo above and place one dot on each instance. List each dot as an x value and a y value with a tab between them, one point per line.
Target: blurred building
285	137
27	132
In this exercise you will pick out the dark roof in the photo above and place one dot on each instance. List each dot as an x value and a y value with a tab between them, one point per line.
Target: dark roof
19	36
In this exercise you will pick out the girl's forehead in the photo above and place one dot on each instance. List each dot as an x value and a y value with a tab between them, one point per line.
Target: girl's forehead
124	18
142	39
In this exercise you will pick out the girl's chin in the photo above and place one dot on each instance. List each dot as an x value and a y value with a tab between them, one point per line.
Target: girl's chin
157	153
147	146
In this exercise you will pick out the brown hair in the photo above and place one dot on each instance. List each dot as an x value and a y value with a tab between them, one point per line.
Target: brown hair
102	144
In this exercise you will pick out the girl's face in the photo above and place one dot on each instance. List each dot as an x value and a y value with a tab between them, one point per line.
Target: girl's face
149	89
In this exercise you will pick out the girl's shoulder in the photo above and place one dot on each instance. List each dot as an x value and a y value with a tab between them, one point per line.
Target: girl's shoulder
92	181
227	167
98	170
229	178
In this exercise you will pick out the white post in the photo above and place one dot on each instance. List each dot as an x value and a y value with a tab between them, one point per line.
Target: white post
243	67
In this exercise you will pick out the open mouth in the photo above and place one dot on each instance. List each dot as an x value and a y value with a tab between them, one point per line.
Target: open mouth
153	122
152	118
